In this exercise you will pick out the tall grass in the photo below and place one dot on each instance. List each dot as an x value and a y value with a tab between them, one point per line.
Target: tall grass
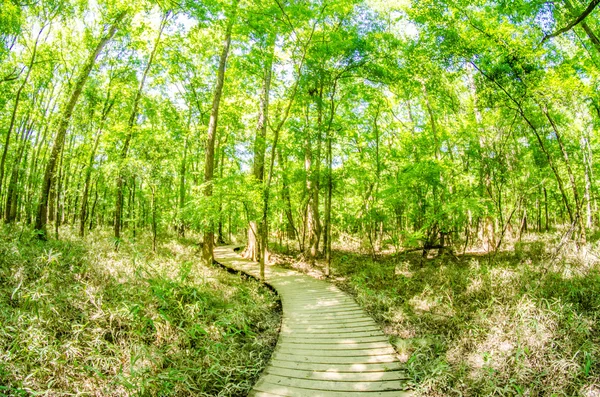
77	318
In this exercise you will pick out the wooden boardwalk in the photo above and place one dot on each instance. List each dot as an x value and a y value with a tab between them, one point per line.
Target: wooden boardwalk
328	346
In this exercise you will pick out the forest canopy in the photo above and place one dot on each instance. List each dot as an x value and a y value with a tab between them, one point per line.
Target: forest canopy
411	123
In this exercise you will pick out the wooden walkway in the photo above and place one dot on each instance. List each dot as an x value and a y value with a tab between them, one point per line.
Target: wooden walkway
328	346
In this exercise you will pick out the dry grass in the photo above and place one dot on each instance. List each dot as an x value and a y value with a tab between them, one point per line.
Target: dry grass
78	318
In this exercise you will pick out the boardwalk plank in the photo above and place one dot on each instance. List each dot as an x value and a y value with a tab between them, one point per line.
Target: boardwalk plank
333	385
334	346
356	368
328	346
337	376
387	358
288	391
336	353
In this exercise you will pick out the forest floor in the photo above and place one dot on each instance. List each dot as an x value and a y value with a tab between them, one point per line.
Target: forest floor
78	318
515	323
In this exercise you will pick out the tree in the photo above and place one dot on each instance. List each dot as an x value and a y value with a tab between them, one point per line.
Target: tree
130	127
67	112
209	160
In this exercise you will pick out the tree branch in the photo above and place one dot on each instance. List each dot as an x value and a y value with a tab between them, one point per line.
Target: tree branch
579	19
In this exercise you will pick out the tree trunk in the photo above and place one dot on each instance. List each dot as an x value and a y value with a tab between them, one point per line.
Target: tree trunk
93	210
180	220
40	144
16	107
312	167
264	235
329	196
292	232
154	221
132	121
579	217
546	209
538	136
588	171
108	104
209	161
221	167
253	248
11	195
267	186
57	184
65	182
538	207
132	217
42	212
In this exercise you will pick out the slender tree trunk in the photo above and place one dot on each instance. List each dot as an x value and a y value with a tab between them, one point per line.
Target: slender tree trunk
108	104
182	169
93	210
130	126
11	195
258	170
74	203
523	225
57	184
292	232
40	146
154	221
587	167
20	203
538	136
579	217
538	206
267	184
309	213
546	209
63	184
267	187
42	212
132	214
264	237
329	196
221	167
209	161
312	167
13	115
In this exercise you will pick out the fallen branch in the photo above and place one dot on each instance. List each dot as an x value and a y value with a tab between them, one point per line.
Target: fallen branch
429	247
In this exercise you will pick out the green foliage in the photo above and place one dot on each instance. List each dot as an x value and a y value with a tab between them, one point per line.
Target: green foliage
426	122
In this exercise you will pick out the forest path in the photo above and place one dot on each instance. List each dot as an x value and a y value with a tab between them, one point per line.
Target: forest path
328	346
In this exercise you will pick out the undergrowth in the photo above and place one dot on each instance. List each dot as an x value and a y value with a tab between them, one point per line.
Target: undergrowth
78	318
514	324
